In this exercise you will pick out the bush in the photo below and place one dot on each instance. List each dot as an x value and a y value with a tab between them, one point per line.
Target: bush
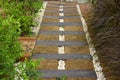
15	18
24	10
10	48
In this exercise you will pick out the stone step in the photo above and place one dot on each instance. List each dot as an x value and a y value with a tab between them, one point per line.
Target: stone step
66	6
68	73
62	17
59	4
61	24
64	11
61	43
61	32
61	56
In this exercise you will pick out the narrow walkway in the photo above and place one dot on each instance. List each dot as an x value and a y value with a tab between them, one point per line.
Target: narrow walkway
62	45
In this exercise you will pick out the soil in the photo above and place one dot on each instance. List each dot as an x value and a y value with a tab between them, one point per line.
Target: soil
79	64
51	14
75	38
50	20
50	28
73	28
48	37
28	43
87	10
45	49
71	20
71	8
71	14
52	9
50	65
76	49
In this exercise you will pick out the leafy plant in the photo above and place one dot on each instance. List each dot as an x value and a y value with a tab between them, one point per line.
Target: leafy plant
24	10
27	70
15	19
10	48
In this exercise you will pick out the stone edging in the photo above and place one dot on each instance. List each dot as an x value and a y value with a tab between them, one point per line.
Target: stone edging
39	18
96	61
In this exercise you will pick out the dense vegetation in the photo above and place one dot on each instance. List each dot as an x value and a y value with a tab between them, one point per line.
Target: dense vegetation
23	10
105	33
15	20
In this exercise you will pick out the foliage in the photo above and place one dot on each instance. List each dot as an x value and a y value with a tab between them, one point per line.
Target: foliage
10	48
15	20
27	70
24	10
105	33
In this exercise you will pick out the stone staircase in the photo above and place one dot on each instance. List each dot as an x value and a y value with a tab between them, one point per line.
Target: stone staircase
62	44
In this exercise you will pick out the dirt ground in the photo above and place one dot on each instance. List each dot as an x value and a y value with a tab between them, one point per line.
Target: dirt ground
87	10
76	49
71	20
47	37
46	49
73	28
48	64
50	20
75	38
50	28
79	64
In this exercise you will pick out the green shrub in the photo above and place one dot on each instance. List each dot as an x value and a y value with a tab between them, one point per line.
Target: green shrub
24	10
16	20
10	48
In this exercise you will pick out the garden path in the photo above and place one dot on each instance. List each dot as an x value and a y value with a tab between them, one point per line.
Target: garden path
62	44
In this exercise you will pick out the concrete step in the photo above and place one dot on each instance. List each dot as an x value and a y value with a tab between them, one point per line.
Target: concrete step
66	6
61	32
61	43
61	24
62	17
64	11
68	73
62	56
